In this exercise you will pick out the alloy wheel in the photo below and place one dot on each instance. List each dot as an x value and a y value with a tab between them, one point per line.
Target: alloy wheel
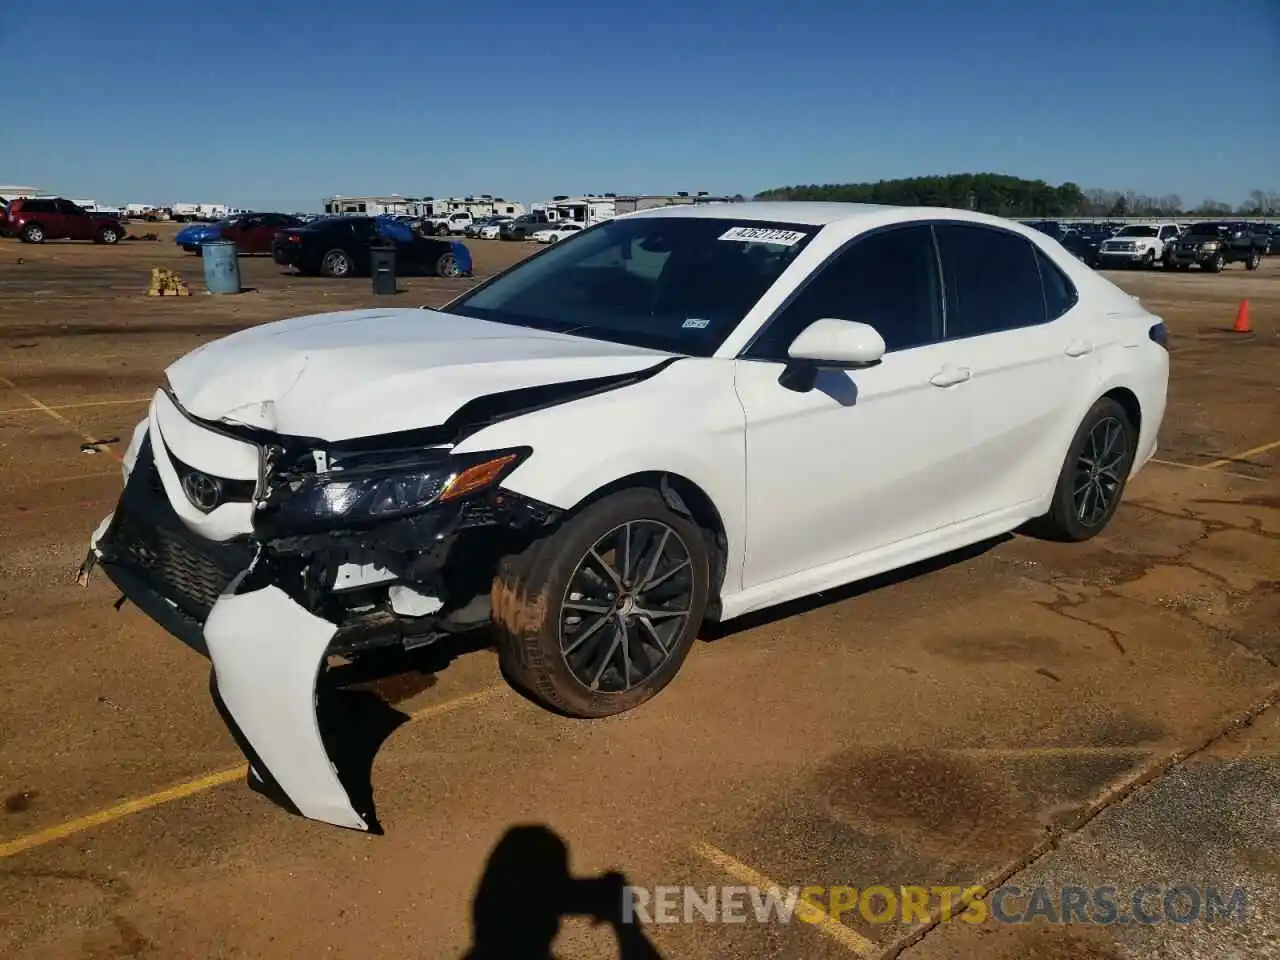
1098	480
447	266
626	604
336	264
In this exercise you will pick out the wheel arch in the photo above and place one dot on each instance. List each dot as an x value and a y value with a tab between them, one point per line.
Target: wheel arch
1129	402
687	498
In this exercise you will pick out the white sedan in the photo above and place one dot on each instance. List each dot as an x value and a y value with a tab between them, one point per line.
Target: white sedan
558	232
688	414
491	231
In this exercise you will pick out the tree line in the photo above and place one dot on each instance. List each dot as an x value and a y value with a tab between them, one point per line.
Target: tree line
1009	196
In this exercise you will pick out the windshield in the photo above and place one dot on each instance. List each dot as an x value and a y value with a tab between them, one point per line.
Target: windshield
679	284
1207	229
1137	232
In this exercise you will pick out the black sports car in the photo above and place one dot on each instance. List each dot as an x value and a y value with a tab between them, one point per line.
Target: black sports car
339	247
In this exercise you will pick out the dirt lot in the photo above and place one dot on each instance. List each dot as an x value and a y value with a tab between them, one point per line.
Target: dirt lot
957	723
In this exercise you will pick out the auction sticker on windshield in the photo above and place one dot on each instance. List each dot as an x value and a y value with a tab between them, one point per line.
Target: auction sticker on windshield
786	238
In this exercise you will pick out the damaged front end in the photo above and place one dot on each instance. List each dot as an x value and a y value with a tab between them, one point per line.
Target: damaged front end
270	554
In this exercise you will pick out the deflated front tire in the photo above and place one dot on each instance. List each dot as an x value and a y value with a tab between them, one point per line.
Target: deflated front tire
267	653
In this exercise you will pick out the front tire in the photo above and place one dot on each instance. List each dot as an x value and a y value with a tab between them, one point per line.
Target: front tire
597	618
108	235
447	266
1253	262
1216	264
1093	475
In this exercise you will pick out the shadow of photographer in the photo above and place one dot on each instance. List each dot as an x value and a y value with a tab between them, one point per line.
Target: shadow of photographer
526	890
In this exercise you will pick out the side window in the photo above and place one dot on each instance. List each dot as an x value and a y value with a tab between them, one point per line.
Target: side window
991	279
69	208
1059	292
888	280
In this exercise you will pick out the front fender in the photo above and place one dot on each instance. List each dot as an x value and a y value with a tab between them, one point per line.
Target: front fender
687	420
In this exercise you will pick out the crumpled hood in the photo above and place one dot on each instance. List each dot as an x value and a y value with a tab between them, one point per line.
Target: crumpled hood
335	376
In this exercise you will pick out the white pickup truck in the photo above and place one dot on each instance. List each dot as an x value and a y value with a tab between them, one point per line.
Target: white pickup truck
1139	244
449	224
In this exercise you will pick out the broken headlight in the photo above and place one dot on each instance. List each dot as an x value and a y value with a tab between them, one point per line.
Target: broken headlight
371	493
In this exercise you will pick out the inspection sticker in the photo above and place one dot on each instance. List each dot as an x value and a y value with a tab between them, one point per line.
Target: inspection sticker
786	238
695	323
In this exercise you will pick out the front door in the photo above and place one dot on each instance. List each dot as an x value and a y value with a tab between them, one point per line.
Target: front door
866	458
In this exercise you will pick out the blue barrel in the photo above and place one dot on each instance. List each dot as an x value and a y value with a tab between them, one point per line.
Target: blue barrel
221	268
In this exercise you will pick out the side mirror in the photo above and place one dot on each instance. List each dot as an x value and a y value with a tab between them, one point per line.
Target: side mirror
838	343
830	344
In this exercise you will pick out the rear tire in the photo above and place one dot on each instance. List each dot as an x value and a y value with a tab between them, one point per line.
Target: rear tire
597	618
33	233
1093	476
337	263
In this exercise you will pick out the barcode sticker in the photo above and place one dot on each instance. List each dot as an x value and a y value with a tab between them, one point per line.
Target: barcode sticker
786	238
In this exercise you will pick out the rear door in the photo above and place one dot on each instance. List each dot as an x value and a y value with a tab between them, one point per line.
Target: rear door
1010	321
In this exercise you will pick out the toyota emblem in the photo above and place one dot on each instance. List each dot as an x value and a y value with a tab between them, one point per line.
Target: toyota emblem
204	491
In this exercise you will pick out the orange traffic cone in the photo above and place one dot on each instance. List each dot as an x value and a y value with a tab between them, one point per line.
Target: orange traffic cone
1242	319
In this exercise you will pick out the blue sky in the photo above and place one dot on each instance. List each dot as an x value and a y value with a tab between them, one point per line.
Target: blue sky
281	104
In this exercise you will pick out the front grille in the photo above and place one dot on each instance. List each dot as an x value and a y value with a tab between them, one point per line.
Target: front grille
180	572
150	540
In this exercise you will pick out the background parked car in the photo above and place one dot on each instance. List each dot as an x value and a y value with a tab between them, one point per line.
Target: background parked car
1084	242
339	247
1139	244
558	232
53	218
492	231
252	233
524	226
1213	245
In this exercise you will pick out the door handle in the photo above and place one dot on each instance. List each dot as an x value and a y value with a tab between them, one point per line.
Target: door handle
950	376
1078	348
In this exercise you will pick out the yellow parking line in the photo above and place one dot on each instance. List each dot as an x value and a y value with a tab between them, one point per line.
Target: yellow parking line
61	831
1243	455
119	811
1198	466
42	408
821	920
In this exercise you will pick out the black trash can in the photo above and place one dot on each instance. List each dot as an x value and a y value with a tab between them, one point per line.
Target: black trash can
382	265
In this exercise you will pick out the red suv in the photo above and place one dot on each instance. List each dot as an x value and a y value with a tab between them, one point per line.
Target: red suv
52	218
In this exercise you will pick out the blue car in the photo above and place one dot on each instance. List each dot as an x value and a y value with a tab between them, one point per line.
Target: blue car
190	238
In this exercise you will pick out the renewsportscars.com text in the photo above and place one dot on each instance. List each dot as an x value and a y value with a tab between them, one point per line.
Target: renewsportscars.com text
1008	904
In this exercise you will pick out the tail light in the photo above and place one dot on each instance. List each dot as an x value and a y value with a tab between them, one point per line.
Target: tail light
1159	334
293	238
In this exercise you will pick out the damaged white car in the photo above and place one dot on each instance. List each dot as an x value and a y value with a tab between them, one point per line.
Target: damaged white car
681	414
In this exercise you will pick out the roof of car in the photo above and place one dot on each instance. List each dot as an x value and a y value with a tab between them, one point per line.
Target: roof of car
777	211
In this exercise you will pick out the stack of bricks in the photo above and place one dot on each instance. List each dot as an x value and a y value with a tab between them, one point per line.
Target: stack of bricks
166	283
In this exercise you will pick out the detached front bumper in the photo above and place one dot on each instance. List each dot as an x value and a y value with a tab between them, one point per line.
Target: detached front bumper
267	651
248	607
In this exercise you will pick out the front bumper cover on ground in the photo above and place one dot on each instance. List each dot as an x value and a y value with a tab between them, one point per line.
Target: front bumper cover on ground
267	653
